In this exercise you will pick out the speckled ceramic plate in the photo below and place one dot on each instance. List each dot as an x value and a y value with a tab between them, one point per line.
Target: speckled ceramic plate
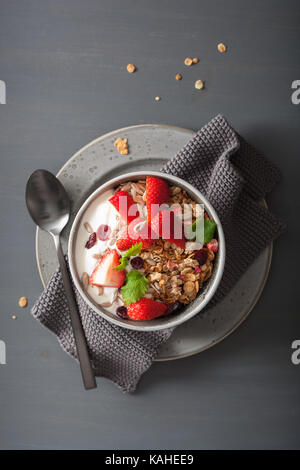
150	147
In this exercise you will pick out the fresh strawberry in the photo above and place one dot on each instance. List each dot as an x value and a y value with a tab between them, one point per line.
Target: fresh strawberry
104	273
161	223
157	192
136	232
213	245
124	203
124	243
146	309
157	222
180	242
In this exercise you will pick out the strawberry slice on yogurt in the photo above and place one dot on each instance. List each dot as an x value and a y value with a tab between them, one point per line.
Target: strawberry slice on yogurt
104	274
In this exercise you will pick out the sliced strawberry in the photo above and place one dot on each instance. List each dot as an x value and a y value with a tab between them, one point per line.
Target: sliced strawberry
124	204
136	232
125	242
157	192
146	309
104	273
163	224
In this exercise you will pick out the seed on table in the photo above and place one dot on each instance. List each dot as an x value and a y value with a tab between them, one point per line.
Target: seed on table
188	61
222	47
131	68
14	317
23	302
178	76
199	84
195	60
157	98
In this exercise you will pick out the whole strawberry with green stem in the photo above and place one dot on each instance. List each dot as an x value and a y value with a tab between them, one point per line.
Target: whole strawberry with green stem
157	192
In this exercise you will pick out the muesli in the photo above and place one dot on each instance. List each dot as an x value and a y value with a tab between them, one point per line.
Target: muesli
146	258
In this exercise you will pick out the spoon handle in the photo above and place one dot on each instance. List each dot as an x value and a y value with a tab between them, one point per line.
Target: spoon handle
80	340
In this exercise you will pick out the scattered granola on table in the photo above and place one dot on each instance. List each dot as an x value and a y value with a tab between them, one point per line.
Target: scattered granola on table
199	84
131	68
221	47
23	302
188	61
122	146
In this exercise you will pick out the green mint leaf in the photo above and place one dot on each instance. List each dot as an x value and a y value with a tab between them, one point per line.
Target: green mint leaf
209	230
209	227
123	263
134	250
135	287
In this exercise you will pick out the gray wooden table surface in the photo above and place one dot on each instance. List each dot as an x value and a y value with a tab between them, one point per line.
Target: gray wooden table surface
63	64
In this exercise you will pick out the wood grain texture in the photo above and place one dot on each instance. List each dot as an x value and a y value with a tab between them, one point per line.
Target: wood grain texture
64	65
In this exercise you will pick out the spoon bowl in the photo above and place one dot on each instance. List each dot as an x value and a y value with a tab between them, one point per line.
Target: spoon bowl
47	201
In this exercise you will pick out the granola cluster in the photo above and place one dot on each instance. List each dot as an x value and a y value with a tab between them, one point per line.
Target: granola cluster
122	145
173	273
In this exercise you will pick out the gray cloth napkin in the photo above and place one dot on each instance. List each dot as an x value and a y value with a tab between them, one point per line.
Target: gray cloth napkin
234	177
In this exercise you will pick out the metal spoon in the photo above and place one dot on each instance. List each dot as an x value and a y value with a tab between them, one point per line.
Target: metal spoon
49	206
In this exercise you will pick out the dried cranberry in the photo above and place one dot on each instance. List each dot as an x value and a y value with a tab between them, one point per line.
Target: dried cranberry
103	232
174	307
213	245
201	256
122	312
137	262
91	241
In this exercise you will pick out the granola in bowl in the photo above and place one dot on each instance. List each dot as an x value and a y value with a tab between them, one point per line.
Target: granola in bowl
149	249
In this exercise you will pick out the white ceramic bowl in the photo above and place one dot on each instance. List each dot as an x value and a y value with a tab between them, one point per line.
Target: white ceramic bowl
203	297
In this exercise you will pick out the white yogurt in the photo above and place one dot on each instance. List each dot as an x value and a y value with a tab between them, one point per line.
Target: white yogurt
101	211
